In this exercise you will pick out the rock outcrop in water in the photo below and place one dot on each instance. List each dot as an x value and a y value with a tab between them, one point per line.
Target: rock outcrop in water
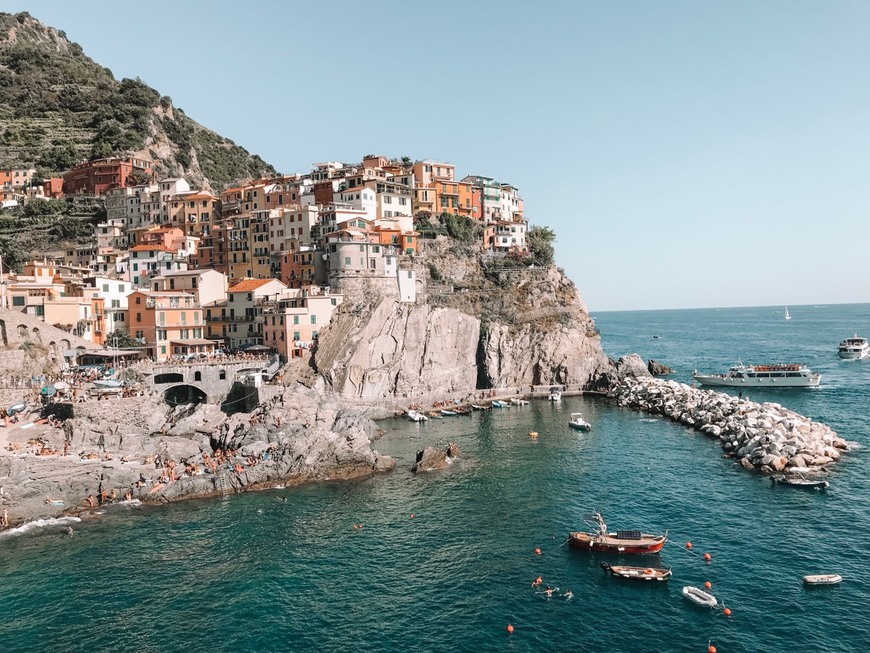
766	437
433	459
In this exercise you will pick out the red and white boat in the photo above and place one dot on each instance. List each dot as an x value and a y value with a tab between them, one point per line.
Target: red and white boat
618	542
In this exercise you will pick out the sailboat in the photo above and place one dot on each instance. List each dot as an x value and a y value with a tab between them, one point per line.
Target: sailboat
787	316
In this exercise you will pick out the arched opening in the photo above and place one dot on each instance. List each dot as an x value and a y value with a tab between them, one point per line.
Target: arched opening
184	394
241	399
22	331
169	377
197	376
222	375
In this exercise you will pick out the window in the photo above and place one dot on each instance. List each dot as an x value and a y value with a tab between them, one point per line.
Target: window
296	335
105	287
295	319
138	317
222	375
18	301
347	260
332	301
313	319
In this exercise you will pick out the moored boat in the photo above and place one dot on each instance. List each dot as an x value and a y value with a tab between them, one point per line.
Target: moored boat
659	574
555	394
823	579
448	413
791	375
478	407
416	416
519	402
577	422
700	597
499	404
108	383
634	541
806	479
854	348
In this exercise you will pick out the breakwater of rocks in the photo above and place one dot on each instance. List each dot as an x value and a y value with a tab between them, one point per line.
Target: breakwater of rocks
764	437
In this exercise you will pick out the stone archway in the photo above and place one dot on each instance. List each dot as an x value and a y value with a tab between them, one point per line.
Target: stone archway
178	395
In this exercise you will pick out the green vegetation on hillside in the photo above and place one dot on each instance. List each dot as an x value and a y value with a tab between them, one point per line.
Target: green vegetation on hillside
58	107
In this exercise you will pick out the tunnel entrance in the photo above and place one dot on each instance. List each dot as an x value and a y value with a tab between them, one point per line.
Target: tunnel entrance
241	399
184	394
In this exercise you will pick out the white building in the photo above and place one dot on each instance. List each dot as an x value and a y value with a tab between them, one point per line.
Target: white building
114	293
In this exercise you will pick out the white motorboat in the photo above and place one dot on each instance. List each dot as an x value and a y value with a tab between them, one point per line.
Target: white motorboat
555	394
854	348
519	402
823	579
577	422
699	597
792	375
416	416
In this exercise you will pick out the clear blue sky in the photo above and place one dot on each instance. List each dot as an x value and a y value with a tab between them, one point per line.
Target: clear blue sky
687	154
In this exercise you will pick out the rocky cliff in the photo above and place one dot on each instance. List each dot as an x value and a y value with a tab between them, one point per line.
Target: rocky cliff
477	324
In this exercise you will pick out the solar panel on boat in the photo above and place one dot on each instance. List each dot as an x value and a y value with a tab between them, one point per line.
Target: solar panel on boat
629	535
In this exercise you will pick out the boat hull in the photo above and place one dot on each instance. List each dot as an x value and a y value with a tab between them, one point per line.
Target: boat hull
699	597
823	579
579	427
589	542
646	574
722	381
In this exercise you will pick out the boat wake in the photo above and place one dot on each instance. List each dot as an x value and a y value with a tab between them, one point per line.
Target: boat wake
37	524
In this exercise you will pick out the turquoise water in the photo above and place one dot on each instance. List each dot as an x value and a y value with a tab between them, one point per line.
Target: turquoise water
257	573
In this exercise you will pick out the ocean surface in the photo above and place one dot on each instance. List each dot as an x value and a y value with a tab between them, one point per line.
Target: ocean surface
445	561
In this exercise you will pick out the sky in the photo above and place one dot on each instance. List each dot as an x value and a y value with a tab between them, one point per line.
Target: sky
687	154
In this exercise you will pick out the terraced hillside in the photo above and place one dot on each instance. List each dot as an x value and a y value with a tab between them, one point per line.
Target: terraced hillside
58	107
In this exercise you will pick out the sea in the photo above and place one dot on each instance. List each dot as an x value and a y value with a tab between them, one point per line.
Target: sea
445	561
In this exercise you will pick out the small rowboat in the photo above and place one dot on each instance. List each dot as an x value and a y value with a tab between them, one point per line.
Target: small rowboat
699	597
448	413
637	573
823	579
499	404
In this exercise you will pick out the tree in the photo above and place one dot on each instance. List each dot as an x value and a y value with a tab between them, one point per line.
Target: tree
122	340
540	241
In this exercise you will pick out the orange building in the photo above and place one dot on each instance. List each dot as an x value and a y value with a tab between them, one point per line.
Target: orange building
470	202
96	177
168	323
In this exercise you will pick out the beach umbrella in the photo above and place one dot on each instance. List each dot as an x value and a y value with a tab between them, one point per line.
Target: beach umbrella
48	391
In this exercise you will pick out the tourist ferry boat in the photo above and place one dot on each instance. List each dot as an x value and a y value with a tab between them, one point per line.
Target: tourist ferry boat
791	375
854	348
619	542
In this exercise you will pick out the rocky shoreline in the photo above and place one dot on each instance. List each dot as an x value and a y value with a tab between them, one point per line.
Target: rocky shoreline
141	450
763	437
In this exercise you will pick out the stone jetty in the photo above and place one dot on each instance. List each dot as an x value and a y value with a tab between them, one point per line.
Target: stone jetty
764	437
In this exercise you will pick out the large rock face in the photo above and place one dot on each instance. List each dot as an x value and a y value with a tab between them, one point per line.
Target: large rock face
401	350
474	329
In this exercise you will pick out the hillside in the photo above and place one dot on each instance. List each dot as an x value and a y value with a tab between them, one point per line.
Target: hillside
58	107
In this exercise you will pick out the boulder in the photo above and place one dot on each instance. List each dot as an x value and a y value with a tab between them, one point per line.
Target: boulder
657	369
431	459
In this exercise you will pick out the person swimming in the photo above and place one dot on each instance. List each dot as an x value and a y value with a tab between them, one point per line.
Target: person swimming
568	595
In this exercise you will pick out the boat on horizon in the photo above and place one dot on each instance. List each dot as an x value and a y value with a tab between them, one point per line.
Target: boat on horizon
700	597
789	375
659	574
629	542
787	314
577	422
854	348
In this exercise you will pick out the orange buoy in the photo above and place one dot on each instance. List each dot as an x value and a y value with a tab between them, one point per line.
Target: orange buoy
510	628
708	584
708	557
711	649
727	612
689	546
537	552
